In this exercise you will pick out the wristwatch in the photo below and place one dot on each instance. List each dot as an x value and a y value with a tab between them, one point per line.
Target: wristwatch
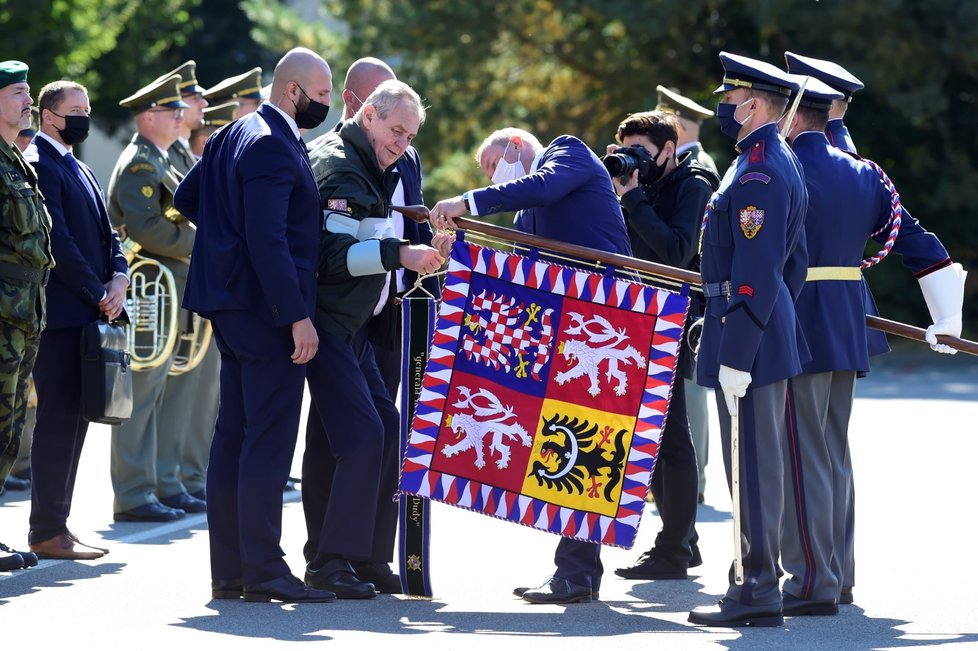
465	200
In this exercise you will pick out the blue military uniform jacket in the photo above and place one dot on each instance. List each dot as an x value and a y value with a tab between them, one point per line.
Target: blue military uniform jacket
838	134
847	204
754	239
568	198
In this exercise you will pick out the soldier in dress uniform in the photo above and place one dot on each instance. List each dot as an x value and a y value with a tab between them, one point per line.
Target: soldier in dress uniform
245	89
189	408
141	200
691	116
753	266
25	264
847	205
215	117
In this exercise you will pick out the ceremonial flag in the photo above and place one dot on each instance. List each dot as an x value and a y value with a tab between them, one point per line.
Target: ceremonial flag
545	394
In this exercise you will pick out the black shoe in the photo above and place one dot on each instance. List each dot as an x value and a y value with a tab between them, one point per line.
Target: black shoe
200	495
700	499
651	568
338	576
519	592
28	559
733	614
381	575
287	589
227	589
17	484
845	597
149	512
558	591
185	502
10	562
793	606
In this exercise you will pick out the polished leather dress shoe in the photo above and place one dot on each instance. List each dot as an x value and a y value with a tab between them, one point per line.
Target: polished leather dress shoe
227	589
650	568
519	592
149	512
186	502
793	606
10	562
63	547
732	614
558	591
17	484
29	559
381	575
845	597
287	589
200	495
338	576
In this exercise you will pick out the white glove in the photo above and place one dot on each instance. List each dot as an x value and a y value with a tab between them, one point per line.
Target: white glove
734	385
943	292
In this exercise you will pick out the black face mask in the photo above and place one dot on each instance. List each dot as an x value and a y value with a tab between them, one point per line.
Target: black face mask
312	115
76	128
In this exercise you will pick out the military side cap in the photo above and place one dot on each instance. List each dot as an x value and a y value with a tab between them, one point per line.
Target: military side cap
164	92
188	78
12	72
672	102
816	95
218	116
825	71
744	72
247	85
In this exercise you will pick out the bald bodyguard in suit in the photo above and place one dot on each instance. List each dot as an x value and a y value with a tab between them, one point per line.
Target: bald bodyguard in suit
256	206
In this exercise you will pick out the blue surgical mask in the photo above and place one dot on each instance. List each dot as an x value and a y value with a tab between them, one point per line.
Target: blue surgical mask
506	171
728	123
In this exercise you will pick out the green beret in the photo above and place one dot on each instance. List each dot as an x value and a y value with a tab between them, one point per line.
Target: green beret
672	102
188	78
218	116
246	85
162	93
12	72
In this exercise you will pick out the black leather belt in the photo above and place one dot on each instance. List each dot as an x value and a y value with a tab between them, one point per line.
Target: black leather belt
20	272
714	290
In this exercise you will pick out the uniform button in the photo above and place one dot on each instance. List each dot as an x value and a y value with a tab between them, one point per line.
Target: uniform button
316	274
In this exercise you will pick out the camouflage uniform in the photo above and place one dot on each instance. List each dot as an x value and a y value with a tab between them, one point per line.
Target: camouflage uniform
25	258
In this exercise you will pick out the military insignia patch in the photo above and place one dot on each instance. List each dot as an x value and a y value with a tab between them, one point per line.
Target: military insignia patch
147	191
136	168
751	220
336	204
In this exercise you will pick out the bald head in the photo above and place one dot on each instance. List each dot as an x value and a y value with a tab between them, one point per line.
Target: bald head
362	79
300	72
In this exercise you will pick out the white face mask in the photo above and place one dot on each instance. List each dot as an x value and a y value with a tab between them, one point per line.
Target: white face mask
506	171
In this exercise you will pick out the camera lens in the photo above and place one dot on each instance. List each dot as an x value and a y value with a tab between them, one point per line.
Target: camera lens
620	164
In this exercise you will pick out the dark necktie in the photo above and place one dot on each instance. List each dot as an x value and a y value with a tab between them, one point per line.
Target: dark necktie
73	163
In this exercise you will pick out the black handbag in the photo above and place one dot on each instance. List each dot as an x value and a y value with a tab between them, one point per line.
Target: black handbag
106	388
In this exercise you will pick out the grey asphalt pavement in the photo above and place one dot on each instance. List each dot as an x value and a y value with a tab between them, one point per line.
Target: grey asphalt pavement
914	439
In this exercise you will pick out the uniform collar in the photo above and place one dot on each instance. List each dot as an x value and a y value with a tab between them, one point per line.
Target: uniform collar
767	131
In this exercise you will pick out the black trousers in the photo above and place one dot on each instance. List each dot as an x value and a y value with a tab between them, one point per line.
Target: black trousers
59	432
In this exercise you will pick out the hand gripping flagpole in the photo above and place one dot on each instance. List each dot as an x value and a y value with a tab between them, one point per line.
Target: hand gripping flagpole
735	492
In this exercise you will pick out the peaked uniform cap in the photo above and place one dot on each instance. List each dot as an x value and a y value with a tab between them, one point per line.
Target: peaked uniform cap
829	73
672	102
218	116
816	95
744	72
188	78
162	93
246	85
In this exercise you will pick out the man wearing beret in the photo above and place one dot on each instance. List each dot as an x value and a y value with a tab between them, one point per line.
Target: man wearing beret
25	264
140	200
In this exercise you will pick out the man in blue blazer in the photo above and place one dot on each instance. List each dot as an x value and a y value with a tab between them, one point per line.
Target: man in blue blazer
256	206
318	463
562	192
89	282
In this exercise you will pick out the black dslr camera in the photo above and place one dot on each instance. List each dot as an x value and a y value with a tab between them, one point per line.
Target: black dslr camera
626	160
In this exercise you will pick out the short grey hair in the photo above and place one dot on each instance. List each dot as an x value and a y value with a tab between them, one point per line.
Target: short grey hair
502	136
388	96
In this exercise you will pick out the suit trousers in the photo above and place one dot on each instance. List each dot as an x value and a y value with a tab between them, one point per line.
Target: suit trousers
254	441
762	434
349	467
817	480
59	433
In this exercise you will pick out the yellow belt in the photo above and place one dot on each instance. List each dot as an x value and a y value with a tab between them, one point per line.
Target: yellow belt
834	273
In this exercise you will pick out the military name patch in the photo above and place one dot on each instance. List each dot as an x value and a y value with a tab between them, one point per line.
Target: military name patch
147	191
755	176
337	204
751	220
136	168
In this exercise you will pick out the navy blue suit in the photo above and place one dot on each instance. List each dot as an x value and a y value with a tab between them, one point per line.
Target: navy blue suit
88	253
255	203
569	198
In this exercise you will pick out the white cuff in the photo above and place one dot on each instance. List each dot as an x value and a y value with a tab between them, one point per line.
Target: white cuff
473	209
363	259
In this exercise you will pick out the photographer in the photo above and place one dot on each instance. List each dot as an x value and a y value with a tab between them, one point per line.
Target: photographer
663	198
